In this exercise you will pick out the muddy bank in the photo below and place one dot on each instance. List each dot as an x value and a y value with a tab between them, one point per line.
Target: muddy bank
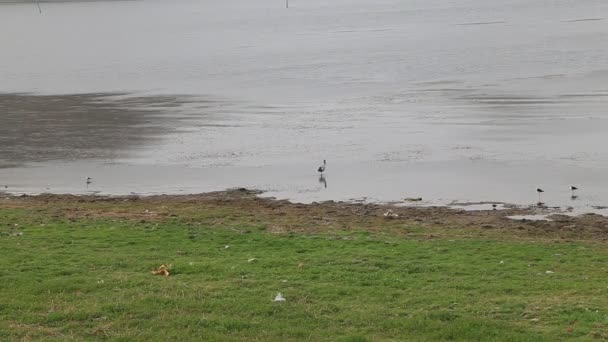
280	216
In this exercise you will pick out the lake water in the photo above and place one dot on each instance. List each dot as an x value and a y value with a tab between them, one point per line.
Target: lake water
448	100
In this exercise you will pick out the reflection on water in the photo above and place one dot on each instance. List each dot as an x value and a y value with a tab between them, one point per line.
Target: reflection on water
323	181
37	128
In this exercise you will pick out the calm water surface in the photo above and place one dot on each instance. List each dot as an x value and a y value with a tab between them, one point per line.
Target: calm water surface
465	100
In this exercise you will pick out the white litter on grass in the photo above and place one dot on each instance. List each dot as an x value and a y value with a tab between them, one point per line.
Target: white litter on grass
252	259
502	261
279	298
549	272
226	247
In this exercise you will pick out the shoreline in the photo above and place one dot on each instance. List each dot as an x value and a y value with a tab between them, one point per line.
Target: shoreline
286	217
147	143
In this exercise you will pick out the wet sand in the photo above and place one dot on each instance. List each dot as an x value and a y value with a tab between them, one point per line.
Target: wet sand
38	128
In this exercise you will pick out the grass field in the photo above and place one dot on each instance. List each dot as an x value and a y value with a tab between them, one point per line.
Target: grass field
81	271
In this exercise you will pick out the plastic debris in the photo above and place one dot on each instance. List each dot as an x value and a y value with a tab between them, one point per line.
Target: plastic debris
226	247
279	298
502	261
390	214
161	270
252	259
549	272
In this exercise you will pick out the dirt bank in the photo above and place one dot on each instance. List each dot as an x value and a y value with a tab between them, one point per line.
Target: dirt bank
284	217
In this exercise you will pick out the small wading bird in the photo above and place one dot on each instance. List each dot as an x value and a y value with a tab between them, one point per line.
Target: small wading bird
539	191
573	190
89	180
321	168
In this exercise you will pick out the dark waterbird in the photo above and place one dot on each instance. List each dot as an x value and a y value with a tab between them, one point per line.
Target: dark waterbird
573	190
539	191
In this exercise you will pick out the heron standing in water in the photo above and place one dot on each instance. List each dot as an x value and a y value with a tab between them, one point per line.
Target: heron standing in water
321	168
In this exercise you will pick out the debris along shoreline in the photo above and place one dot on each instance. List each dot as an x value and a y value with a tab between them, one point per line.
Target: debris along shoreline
283	216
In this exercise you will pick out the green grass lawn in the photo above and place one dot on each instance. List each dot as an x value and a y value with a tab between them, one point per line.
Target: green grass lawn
89	278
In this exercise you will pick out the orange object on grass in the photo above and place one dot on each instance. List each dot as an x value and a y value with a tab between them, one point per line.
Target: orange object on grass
161	270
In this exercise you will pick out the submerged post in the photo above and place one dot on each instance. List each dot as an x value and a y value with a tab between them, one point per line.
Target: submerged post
286	3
